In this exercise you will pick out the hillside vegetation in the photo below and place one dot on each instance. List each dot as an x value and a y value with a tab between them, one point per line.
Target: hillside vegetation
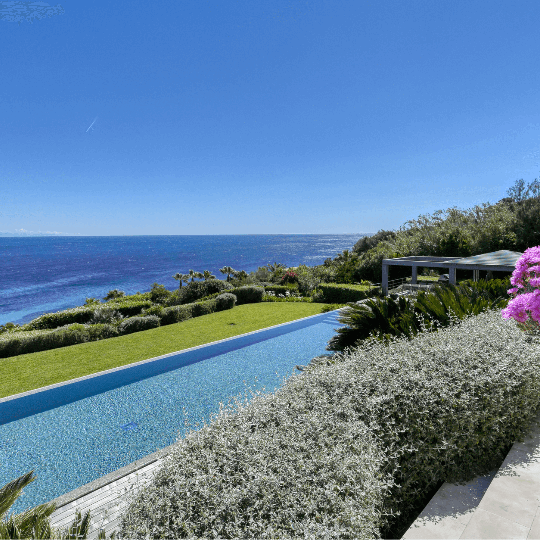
512	224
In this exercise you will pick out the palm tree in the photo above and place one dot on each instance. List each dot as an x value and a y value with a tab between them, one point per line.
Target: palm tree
208	275
35	523
180	278
241	274
227	270
275	266
192	274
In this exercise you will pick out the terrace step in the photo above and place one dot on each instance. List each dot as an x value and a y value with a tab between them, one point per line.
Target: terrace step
503	504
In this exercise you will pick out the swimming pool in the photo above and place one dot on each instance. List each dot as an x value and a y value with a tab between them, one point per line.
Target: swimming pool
75	432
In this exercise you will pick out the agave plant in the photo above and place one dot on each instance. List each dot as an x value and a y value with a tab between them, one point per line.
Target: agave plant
34	523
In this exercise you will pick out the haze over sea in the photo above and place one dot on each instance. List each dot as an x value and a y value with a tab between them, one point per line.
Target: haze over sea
52	273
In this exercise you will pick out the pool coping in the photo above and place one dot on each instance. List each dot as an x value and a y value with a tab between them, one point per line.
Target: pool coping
77	493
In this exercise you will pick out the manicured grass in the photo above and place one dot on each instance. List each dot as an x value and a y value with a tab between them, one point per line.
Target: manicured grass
30	371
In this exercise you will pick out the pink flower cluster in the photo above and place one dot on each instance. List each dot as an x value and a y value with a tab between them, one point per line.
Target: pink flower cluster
526	296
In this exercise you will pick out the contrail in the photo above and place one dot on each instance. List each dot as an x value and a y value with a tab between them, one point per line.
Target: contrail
91	124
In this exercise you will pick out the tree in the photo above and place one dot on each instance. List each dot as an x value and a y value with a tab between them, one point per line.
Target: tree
227	270
275	266
194	275
115	293
180	278
35	522
208	275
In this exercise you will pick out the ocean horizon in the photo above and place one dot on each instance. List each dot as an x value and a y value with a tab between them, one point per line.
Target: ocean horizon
44	274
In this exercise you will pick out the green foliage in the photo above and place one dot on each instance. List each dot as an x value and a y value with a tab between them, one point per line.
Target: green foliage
204	308
367	242
336	294
8	327
159	294
383	317
272	298
248	294
113	294
197	290
175	314
225	301
289	277
35	522
281	289
82	315
331	307
351	445
399	316
130	306
137	324
43	340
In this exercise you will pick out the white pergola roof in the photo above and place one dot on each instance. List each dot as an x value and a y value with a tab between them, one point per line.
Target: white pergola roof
497	261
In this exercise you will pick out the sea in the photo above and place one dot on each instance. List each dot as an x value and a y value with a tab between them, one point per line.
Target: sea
50	273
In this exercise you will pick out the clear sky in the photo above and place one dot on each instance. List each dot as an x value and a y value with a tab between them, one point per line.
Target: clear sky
252	116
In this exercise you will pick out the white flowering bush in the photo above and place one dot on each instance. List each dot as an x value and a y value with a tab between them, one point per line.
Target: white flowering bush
347	448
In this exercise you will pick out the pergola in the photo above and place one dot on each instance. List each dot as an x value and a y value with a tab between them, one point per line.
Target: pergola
497	261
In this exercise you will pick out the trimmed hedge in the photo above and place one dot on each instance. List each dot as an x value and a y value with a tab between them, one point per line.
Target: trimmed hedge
80	315
248	294
35	341
175	314
225	301
336	294
137	324
129	308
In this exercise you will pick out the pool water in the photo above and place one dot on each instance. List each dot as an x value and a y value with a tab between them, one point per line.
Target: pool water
77	442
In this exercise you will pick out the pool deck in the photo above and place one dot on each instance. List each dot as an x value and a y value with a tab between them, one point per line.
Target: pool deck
107	497
503	504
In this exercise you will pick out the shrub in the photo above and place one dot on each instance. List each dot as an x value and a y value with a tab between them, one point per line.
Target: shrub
137	324
225	301
289	277
196	290
104	315
204	308
248	294
154	310
115	293
159	294
342	449
129	307
335	294
281	289
80	315
175	314
272	298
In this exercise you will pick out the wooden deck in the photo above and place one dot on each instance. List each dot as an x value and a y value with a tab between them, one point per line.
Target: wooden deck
107	497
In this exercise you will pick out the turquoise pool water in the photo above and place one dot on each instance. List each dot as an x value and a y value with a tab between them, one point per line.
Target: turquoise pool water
71	440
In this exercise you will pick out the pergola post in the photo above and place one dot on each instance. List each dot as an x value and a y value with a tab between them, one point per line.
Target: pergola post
385	278
414	274
452	275
476	275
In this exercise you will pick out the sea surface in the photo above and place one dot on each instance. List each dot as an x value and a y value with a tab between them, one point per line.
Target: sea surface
47	274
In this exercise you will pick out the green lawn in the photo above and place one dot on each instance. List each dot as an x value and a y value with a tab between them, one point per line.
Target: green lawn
30	371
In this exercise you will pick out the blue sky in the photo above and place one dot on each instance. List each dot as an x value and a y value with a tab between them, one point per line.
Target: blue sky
254	117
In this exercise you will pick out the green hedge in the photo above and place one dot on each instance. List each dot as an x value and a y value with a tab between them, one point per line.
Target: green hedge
80	315
29	342
138	324
225	301
129	308
340	294
248	295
